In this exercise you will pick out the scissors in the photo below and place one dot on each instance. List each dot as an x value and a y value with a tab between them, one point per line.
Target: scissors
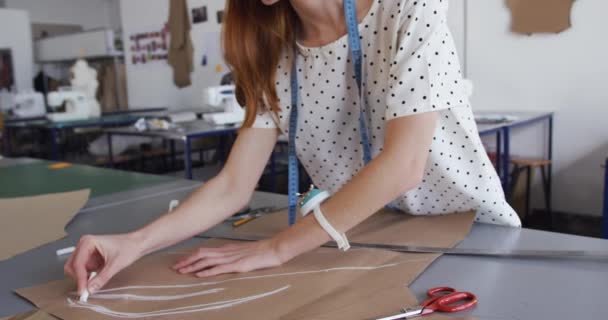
442	299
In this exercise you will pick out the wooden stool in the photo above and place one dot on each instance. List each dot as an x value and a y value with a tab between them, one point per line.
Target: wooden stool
527	165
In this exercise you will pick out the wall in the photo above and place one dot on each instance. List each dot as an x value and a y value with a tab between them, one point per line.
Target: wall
151	85
565	73
90	14
16	34
113	15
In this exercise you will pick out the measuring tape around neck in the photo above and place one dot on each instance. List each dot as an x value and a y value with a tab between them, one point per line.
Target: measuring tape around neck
354	41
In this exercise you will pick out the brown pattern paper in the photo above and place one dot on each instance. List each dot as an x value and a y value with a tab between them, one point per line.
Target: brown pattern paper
30	222
540	16
322	284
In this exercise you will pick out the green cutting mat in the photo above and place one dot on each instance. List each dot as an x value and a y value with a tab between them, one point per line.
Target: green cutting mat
37	178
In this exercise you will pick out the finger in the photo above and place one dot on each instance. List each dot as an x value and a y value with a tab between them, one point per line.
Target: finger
103	277
233	247
82	255
67	267
210	262
95	262
190	259
198	255
221	269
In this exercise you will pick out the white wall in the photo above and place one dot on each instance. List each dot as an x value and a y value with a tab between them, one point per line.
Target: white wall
90	14
114	17
151	84
16	34
565	73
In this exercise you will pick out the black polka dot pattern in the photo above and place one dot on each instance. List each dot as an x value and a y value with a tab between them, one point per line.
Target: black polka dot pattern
410	66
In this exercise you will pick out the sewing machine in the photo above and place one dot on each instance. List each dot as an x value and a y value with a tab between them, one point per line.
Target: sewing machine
77	106
223	97
24	104
29	104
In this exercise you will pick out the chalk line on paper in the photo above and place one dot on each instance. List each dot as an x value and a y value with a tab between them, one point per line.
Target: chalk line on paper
181	310
207	306
126	296
276	275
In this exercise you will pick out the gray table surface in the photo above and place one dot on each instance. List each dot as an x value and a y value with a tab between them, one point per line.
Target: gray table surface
511	289
8	162
522	117
181	131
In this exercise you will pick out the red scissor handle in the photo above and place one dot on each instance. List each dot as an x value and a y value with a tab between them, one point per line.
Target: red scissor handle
440	291
449	300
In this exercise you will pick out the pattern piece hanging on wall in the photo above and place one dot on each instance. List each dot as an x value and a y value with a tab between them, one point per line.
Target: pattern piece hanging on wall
540	16
181	50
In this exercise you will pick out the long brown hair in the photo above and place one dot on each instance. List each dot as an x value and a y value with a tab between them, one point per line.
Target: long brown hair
253	38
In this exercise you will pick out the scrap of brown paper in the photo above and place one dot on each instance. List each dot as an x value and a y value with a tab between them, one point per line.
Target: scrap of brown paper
32	315
540	16
30	222
386	226
322	284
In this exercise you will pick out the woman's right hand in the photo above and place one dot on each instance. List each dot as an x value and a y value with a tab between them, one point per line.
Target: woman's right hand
106	255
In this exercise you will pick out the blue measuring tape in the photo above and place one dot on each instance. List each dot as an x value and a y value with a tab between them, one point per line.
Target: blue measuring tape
354	41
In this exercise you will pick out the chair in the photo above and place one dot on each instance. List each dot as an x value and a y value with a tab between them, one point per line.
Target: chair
528	165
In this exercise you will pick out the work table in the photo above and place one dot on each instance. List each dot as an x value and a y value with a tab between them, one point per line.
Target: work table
507	288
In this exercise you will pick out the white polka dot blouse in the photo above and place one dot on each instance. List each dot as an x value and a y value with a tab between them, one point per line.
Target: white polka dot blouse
410	66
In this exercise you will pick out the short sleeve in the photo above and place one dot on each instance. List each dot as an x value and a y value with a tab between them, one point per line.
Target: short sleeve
264	120
425	71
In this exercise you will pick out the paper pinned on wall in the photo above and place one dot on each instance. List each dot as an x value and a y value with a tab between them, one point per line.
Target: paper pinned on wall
321	284
30	222
540	16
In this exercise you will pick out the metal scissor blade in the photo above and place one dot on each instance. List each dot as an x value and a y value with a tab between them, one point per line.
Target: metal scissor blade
408	313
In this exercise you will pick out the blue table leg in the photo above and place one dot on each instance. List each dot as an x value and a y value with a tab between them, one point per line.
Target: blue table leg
273	171
222	148
187	159
172	147
110	151
506	159
7	141
606	201
499	155
54	144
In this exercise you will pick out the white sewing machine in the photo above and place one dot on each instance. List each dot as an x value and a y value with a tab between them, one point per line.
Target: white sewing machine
29	104
223	97
77	106
24	104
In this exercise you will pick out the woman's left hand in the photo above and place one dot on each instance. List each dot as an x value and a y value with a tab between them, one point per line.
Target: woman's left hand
230	258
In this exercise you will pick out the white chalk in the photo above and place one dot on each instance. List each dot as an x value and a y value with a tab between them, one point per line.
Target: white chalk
65	251
85	294
173	204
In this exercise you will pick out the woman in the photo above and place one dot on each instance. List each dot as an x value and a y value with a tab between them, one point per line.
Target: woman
427	155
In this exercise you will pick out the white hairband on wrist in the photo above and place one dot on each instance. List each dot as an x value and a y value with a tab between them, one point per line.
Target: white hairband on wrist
311	202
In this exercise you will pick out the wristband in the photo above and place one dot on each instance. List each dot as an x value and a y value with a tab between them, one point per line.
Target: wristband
311	201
